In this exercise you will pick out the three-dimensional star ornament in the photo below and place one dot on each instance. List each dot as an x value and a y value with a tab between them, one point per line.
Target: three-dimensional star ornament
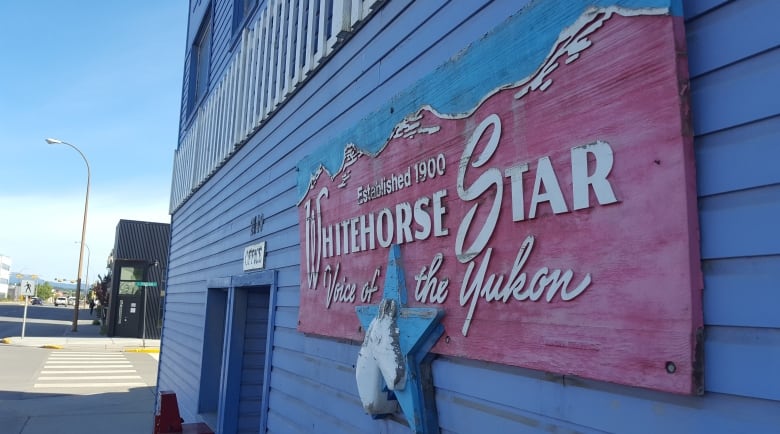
396	353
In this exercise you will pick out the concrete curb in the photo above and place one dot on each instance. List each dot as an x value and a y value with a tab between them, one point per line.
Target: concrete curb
10	341
141	350
121	345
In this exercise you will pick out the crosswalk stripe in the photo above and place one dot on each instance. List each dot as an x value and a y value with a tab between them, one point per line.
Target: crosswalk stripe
87	352
99	353
91	371
67	360
87	371
126	365
91	359
98	377
87	385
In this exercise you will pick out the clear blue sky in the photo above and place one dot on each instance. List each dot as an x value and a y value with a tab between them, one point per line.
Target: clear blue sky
105	76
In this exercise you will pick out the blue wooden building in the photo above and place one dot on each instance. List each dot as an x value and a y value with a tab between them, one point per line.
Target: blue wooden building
273	89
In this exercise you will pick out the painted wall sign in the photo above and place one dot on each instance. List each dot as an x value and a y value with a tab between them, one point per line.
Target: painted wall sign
254	257
256	225
555	222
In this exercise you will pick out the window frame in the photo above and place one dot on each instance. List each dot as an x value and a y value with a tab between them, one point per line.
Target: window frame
200	64
242	10
139	273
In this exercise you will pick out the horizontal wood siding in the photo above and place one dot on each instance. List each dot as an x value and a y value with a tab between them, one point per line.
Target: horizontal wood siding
182	336
734	62
734	50
472	395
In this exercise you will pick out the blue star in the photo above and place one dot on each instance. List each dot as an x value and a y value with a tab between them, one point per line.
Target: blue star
398	343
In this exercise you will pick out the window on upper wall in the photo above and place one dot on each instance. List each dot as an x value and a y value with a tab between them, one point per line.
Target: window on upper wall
200	63
241	10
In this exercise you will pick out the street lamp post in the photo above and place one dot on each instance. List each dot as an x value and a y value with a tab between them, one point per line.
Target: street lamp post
83	232
89	255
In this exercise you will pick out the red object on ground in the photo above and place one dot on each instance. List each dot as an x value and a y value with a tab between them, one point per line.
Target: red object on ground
168	419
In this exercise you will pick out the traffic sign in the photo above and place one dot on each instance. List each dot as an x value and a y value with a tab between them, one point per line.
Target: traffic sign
145	283
28	287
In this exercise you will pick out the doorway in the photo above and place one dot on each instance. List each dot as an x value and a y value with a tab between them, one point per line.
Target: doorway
128	303
237	352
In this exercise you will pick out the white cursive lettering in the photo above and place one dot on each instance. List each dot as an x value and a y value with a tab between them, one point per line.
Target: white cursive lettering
339	292
490	288
428	285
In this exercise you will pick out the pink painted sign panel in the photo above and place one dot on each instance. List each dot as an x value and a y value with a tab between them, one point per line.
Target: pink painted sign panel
555	224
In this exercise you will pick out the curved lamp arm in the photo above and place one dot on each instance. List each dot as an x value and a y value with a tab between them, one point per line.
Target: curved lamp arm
83	231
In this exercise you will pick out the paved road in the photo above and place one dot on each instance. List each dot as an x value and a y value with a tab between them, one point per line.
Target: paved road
46	320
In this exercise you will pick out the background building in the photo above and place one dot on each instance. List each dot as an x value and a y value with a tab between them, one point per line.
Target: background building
274	90
138	279
5	275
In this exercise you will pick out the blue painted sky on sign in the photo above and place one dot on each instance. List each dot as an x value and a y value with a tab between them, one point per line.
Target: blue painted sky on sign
105	76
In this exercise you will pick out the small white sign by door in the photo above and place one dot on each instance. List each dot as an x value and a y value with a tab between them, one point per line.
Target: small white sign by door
254	257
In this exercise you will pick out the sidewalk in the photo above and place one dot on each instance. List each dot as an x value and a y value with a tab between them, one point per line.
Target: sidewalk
129	412
87	336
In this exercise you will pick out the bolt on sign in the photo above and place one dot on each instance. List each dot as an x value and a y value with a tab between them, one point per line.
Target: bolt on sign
554	220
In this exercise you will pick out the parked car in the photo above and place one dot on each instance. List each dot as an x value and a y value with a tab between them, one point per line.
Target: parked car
61	301
71	301
36	300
